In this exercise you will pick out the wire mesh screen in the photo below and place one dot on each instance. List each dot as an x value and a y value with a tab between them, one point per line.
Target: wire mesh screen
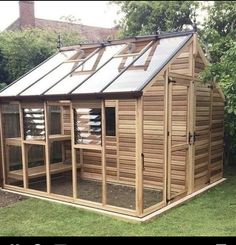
87	126
34	124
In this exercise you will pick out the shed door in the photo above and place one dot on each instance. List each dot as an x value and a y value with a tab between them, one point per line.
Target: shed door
178	134
202	135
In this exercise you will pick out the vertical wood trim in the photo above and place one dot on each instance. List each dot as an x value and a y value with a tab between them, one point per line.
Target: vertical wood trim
62	120
166	116
24	150
192	119
210	132
117	141
194	52
170	85
47	147
81	158
139	161
191	60
189	130
73	153
63	152
104	194
190	148
7	160
3	174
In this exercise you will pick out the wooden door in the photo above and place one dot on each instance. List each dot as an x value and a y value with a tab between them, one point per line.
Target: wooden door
202	135
178	137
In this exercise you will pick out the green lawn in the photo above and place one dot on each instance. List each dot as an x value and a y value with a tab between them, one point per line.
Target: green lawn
210	214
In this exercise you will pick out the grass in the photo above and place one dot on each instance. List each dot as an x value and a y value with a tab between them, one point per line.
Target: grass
210	214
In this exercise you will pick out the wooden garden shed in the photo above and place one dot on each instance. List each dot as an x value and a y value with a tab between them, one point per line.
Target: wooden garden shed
124	126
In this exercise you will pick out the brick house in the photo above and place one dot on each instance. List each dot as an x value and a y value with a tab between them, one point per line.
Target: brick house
27	20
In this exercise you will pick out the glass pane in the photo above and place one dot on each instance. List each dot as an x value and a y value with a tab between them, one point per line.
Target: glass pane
88	126
54	113
11	121
36	74
67	84
36	167
34	124
49	80
61	168
89	176
132	80
109	52
110	121
14	172
101	78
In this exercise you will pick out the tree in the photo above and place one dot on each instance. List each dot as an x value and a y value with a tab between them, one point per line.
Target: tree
20	51
219	36
146	17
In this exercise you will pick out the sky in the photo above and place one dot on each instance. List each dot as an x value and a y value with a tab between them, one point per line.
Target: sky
94	13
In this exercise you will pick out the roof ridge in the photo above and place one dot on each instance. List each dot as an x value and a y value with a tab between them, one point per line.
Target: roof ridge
76	24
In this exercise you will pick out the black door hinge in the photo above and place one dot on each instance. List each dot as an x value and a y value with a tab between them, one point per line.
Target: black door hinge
190	138
210	86
171	81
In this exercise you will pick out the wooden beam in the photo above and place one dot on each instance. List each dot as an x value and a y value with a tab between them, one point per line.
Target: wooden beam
24	149
73	153
194	50
192	120
166	128
210	128
170	91
139	159
104	190
47	148
117	140
3	162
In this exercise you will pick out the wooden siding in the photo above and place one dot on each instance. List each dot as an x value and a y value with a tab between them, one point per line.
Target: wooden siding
179	135
127	139
217	136
202	131
199	65
181	64
153	135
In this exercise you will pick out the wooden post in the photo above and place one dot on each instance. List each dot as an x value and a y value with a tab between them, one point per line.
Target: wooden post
104	190
192	118
3	162
139	156
210	132
47	147
73	153
117	141
24	150
166	116
169	153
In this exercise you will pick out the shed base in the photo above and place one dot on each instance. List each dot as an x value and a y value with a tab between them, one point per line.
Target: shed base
128	218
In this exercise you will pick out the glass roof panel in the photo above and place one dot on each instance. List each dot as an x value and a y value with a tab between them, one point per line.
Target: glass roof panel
133	79
49	80
70	82
67	84
101	78
36	74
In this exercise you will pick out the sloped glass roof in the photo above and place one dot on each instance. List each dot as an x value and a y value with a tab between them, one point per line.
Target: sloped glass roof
106	69
37	73
133	79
